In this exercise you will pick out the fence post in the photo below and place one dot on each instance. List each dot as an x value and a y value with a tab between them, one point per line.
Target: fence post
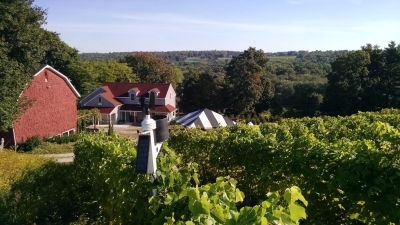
1	144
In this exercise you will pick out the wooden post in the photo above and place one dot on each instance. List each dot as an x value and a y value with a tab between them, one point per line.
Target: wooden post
2	144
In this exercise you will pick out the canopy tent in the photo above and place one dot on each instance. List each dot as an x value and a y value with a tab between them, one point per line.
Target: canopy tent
205	119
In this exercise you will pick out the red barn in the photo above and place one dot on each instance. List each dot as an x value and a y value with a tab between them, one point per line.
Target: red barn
54	109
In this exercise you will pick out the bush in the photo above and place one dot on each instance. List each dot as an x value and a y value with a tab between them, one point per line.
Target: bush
53	148
63	139
47	194
107	165
13	165
349	166
30	144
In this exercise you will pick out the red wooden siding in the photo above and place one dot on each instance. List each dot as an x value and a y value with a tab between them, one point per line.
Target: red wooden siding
54	109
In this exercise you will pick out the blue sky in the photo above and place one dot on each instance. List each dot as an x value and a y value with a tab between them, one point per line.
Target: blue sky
272	25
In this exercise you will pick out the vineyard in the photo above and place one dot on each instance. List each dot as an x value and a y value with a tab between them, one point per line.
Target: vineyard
101	187
347	167
325	170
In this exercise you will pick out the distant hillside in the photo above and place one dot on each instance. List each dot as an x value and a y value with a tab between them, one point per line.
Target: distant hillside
174	57
169	57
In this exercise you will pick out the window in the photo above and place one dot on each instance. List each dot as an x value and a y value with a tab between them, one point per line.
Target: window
132	96
99	99
170	95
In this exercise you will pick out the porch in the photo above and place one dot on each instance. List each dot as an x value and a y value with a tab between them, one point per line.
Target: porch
136	117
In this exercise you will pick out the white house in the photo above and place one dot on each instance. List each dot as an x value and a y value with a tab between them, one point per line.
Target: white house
119	102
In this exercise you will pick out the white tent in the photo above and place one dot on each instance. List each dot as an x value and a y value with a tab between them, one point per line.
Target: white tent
205	119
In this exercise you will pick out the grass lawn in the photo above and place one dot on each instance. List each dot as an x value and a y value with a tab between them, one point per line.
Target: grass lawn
13	165
53	148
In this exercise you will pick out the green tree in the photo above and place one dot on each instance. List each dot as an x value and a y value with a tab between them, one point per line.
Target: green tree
391	79
246	76
150	68
89	75
88	116
202	90
178	76
346	83
21	50
373	97
58	54
307	98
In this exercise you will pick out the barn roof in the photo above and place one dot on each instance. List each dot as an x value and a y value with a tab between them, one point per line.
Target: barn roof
65	78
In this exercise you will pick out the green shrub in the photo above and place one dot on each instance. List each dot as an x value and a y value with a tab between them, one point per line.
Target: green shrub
53	148
13	165
29	144
107	165
349	166
47	194
63	139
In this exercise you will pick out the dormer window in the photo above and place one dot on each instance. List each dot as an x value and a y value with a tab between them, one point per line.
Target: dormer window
99	99
155	91
132	93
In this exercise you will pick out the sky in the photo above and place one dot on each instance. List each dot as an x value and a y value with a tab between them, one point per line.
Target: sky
175	25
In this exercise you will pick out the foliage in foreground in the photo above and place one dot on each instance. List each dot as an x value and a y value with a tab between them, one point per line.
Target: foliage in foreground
14	165
53	148
348	165
107	164
54	145
101	187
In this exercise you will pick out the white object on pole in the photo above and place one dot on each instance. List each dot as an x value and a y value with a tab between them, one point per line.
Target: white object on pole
148	125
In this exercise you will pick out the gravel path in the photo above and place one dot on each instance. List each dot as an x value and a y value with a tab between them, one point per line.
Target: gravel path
61	158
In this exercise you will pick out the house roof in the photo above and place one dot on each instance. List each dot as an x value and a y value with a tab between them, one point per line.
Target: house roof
109	96
156	90
121	89
160	108
43	67
135	89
